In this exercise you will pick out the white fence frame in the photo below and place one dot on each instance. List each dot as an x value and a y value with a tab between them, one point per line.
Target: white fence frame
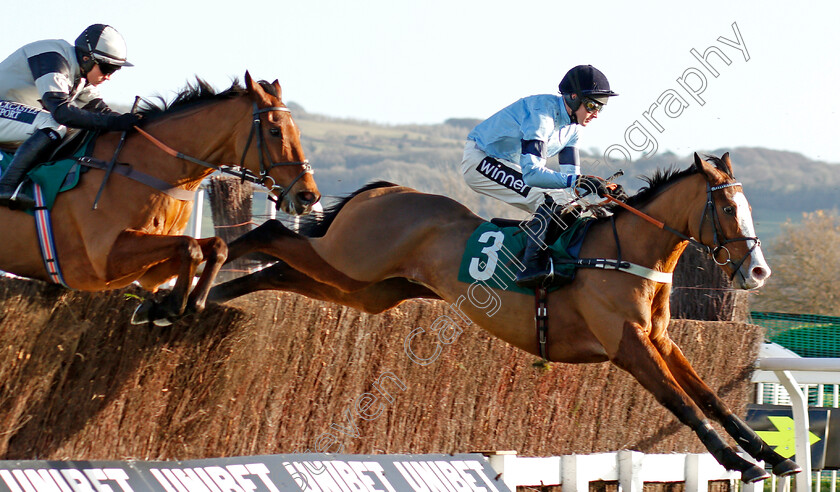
791	372
631	469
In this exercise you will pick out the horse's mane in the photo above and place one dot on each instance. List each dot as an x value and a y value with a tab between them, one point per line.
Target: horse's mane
659	180
316	225
194	95
662	178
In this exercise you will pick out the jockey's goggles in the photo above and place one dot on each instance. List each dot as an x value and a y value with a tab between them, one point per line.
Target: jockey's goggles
593	106
107	68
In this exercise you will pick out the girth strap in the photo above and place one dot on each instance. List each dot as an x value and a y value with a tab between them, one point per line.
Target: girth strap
46	241
624	266
541	299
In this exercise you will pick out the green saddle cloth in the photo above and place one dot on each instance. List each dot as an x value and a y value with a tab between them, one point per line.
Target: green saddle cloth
55	176
492	253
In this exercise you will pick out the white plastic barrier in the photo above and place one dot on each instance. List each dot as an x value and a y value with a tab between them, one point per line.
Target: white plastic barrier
630	468
791	372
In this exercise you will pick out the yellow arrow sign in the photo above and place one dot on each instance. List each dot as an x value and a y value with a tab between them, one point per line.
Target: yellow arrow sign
784	438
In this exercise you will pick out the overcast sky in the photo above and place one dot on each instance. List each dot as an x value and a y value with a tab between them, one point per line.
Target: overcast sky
391	61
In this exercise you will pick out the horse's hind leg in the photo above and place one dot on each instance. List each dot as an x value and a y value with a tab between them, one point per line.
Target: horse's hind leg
275	239
637	355
375	298
714	407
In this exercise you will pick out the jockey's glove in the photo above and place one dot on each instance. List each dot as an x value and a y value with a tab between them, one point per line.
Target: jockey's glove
125	121
592	184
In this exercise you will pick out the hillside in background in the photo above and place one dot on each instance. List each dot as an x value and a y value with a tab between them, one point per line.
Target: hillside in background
346	154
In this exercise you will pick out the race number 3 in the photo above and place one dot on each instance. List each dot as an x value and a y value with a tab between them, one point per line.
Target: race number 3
481	269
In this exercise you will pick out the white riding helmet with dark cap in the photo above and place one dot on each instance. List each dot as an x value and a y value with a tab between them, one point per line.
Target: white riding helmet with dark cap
103	44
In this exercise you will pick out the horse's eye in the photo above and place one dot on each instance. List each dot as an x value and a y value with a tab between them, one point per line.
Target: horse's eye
275	132
729	210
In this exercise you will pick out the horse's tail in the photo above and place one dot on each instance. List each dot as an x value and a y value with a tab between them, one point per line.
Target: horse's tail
316	225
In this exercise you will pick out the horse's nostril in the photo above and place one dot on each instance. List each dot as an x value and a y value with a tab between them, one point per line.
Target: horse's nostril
760	273
307	197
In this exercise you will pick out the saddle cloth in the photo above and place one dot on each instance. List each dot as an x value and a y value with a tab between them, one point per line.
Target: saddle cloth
493	254
55	176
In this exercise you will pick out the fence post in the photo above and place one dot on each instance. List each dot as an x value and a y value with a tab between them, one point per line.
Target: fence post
198	211
629	471
574	480
504	462
695	480
801	425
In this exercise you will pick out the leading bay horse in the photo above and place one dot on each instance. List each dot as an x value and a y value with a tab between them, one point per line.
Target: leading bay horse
135	232
387	243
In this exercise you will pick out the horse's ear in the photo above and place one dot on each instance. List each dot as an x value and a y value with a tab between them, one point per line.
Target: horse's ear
728	164
701	166
698	162
254	88
276	85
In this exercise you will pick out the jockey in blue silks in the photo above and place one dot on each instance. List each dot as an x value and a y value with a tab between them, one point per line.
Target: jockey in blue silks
506	155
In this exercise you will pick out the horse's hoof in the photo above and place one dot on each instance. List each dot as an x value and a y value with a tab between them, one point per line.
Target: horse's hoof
162	322
149	311
754	474
141	314
785	468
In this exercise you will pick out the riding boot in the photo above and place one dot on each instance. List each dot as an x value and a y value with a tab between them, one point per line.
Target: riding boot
539	269
33	151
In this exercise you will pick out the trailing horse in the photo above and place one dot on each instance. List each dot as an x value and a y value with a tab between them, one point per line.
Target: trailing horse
388	243
134	233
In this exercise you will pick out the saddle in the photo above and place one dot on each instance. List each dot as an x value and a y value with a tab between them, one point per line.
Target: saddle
62	171
66	149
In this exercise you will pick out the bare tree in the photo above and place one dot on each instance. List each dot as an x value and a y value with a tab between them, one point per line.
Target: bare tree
805	259
702	291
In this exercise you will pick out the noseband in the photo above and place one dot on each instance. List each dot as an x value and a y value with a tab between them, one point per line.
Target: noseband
720	245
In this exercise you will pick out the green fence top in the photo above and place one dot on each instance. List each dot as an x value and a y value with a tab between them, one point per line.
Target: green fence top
809	335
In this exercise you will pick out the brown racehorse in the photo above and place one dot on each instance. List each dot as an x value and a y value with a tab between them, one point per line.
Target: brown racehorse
388	243
134	234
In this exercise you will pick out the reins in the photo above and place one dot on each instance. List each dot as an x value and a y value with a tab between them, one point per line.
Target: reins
243	173
711	211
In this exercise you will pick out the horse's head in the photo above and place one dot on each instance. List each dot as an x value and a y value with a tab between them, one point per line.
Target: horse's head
726	225
277	155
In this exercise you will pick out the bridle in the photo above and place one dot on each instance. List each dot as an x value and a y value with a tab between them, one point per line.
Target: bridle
266	163
719	240
262	149
720	245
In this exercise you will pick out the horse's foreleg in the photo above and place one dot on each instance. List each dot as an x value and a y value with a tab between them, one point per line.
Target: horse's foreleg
637	355
375	298
214	250
275	239
716	409
135	252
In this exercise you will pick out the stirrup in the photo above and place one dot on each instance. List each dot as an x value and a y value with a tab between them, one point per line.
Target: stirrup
14	196
14	201
544	279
